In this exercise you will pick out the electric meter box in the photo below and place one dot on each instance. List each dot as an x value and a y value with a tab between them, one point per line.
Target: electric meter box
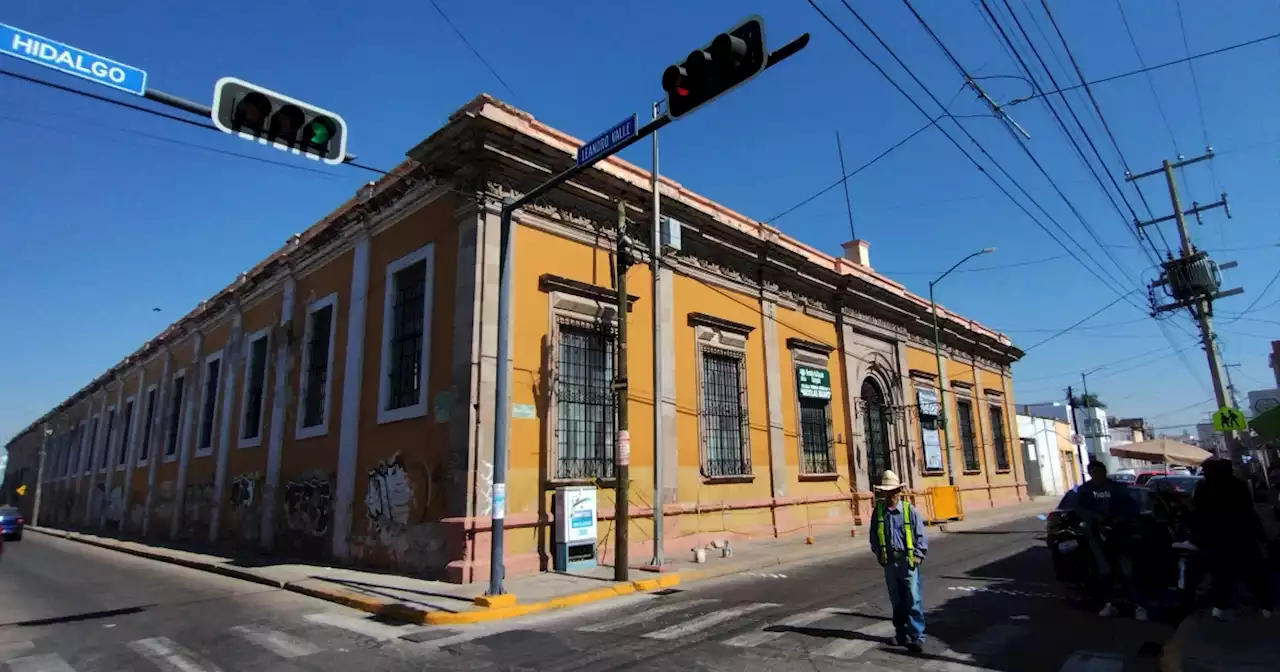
574	534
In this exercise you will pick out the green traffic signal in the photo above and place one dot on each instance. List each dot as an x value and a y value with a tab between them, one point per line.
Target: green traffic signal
319	131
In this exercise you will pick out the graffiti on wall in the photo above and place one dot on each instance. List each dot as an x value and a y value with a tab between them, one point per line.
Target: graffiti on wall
308	505
389	499
484	488
244	499
115	505
197	506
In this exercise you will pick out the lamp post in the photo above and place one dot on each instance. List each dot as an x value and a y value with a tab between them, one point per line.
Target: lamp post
937	354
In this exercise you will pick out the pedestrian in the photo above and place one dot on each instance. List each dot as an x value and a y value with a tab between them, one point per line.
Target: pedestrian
898	542
1229	531
1109	512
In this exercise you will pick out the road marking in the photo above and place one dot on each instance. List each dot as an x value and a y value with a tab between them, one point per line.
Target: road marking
708	620
1093	661
848	649
12	649
750	639
642	617
1003	591
361	626
168	655
45	662
985	644
279	643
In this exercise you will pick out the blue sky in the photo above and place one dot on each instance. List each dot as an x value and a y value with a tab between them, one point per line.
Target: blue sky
109	213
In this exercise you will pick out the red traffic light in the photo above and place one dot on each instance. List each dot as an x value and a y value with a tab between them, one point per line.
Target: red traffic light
726	62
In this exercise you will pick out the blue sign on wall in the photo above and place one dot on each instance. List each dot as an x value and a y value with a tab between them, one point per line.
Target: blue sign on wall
65	58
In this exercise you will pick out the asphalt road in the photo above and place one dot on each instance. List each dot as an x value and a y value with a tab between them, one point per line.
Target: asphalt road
990	600
69	606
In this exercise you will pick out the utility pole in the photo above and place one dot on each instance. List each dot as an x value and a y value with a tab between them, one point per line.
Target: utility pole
1231	387
622	450
655	303
44	448
1193	281
1075	430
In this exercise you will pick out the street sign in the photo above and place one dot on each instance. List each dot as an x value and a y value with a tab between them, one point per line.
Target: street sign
1228	419
21	490
1077	440
601	144
66	58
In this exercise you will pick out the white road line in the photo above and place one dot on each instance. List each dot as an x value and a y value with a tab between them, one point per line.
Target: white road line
848	649
168	655
279	643
13	649
361	626
45	662
708	620
750	639
642	617
985	644
1092	661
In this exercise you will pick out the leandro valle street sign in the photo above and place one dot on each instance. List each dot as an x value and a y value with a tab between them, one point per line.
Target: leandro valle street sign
65	58
622	131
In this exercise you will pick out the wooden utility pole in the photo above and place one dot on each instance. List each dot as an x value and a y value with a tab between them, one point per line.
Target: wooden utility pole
622	448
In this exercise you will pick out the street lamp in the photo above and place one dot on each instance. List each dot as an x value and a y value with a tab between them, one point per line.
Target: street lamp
937	354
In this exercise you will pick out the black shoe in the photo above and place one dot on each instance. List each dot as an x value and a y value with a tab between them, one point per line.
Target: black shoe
915	646
900	640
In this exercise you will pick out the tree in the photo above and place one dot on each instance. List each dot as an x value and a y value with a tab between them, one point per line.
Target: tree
1090	400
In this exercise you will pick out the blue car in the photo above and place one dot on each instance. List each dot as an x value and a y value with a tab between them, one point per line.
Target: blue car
11	523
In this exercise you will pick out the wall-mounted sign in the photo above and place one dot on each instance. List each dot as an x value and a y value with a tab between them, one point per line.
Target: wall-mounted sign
930	410
813	383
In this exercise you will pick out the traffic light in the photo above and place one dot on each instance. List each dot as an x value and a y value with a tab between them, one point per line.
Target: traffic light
729	60
250	111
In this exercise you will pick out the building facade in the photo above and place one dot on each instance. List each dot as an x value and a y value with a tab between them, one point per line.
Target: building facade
1052	461
338	399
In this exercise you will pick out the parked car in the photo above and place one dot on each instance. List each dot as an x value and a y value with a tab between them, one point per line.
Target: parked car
1127	478
11	523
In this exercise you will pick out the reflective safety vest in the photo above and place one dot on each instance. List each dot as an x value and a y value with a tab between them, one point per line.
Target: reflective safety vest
907	533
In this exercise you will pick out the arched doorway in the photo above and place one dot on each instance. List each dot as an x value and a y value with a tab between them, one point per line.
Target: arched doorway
875	418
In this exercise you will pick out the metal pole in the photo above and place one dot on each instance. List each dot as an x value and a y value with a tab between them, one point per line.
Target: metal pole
1202	308
622	454
655	273
502	407
35	507
1084	395
942	399
1075	427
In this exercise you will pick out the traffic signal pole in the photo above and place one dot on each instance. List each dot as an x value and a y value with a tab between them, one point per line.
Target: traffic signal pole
655	303
502	393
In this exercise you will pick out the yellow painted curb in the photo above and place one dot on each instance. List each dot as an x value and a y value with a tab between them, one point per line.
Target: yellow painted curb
577	599
1171	652
353	600
495	601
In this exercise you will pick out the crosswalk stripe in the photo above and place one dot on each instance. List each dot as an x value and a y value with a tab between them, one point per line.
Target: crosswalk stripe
279	643
642	617
848	649
13	649
750	639
1091	661
168	655
708	620
361	626
45	662
984	644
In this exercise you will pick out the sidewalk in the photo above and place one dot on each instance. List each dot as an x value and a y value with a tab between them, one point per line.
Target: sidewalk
1205	644
437	603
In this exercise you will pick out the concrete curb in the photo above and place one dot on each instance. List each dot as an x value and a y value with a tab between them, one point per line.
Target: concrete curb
1171	652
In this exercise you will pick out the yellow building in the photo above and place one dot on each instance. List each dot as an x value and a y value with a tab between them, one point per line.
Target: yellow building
337	400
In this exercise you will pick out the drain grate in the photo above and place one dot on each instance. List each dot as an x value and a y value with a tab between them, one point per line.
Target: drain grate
667	591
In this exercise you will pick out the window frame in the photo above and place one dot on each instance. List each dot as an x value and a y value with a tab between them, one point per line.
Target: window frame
999	436
253	338
126	431
212	417
301	432
425	254
110	417
95	426
173	424
811	358
607	328
721	337
966	468
148	424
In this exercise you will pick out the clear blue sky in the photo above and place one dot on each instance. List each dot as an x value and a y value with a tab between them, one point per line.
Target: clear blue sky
109	213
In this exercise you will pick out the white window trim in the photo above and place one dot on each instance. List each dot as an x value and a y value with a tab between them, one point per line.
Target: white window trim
115	462
300	432
93	440
143	461
212	357
164	440
418	410
106	440
241	442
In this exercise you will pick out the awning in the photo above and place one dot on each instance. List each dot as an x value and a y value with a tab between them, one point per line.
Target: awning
1166	451
1267	424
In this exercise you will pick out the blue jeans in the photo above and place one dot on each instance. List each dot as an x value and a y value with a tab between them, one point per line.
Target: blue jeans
903	582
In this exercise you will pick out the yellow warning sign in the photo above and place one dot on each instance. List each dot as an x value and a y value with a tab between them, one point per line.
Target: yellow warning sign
1229	420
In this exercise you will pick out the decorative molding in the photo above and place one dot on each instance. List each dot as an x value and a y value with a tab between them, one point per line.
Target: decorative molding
964	384
921	373
721	324
801	344
549	283
991	391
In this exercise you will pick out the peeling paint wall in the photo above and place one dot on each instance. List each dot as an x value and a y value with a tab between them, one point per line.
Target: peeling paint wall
399	498
244	506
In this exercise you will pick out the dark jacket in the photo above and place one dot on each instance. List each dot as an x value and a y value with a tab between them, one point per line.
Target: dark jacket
1225	517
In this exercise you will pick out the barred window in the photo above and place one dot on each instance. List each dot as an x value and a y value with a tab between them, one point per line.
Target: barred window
723	414
875	417
404	375
72	451
149	417
87	462
213	371
124	435
317	371
968	446
585	402
997	434
106	441
255	388
815	437
175	415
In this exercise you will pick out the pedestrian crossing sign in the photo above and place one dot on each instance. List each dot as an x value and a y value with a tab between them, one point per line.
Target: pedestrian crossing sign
1228	419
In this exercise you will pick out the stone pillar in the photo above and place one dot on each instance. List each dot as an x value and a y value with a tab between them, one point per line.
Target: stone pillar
279	412
352	376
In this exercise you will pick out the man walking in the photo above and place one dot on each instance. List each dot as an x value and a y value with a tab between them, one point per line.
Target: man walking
1109	511
898	541
1227	527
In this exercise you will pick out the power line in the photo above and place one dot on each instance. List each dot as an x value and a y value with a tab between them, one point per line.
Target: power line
983	269
1160	350
954	142
1079	322
1195	87
1151	82
474	51
1258	298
